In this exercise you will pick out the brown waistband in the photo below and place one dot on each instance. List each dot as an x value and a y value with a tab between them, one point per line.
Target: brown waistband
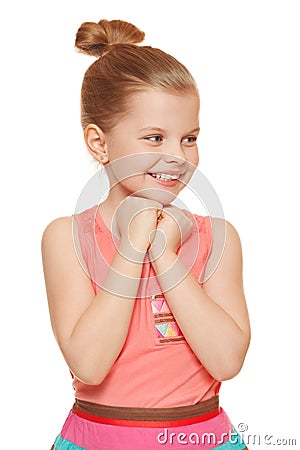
155	414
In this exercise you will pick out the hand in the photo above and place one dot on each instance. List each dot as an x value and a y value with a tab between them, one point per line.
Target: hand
135	219
172	230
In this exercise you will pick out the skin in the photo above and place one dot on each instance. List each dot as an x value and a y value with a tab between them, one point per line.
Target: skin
215	320
159	132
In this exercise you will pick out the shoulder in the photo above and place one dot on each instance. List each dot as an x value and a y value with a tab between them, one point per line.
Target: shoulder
61	244
225	237
232	238
56	240
222	242
60	250
217	227
65	223
57	228
226	250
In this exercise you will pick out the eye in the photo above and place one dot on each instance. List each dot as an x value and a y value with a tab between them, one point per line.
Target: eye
155	138
189	140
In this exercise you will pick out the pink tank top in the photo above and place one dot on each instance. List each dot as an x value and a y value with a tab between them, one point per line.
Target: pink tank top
156	368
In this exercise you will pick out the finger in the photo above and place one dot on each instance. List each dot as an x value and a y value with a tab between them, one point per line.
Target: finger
176	212
155	204
170	212
172	208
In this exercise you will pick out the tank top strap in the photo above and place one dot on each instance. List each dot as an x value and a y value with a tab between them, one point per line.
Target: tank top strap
196	249
86	247
204	227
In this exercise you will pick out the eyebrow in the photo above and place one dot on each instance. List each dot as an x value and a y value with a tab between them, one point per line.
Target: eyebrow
154	128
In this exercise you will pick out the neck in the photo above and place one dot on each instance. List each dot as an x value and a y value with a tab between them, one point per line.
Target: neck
109	206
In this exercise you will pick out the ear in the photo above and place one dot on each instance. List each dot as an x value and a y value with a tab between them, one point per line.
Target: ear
95	141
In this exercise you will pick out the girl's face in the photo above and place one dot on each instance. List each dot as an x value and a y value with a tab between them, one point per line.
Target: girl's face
157	136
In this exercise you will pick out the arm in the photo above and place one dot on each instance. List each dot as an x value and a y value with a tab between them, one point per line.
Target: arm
214	320
82	321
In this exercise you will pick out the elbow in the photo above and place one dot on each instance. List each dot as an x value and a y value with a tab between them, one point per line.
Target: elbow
91	374
227	372
87	373
91	381
90	378
85	369
228	368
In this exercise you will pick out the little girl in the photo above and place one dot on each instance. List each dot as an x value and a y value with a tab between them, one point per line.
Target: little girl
149	320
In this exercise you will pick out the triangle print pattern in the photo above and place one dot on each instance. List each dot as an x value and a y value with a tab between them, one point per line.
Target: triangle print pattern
160	306
166	328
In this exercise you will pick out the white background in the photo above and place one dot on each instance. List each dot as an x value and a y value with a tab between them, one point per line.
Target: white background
245	58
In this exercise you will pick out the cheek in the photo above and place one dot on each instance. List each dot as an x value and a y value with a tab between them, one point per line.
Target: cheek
132	167
191	168
133	183
138	183
195	158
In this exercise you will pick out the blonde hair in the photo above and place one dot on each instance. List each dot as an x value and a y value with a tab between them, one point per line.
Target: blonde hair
122	69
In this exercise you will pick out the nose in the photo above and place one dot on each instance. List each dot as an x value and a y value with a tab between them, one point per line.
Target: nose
174	154
174	163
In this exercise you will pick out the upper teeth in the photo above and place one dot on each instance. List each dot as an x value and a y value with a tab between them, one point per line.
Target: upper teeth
164	176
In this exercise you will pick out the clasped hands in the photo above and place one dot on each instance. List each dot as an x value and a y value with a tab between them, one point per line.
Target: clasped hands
146	225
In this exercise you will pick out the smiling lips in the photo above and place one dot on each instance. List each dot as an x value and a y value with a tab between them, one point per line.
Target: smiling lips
167	179
164	176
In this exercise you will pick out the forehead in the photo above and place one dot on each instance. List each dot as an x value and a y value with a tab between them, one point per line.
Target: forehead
163	108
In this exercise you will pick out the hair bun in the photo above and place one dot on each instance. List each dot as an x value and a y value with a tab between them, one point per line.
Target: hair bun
93	38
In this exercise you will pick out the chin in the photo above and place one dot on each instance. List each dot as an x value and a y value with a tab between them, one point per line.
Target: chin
159	195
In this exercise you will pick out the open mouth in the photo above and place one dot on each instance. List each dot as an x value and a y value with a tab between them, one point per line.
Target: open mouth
164	176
